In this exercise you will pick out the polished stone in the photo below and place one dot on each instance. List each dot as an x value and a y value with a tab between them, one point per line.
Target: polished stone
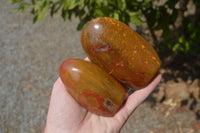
120	51
92	87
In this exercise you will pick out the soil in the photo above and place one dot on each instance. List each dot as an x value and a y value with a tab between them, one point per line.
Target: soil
30	56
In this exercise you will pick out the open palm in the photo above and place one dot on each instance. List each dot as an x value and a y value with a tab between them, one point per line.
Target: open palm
67	116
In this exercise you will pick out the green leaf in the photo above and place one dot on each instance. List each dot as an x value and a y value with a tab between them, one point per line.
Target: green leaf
115	15
99	12
81	13
146	3
121	4
135	19
124	17
176	47
182	45
40	9
105	3
41	15
99	2
54	8
90	3
81	4
35	19
193	36
21	7
83	22
70	4
14	1
38	5
187	46
70	12
181	39
33	2
64	14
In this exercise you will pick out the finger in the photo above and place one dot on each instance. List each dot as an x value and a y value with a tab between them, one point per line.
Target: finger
87	59
63	108
140	95
137	98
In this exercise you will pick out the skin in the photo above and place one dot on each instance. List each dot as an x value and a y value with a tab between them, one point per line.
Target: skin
65	115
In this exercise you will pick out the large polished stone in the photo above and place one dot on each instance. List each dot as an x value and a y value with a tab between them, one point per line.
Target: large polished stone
120	51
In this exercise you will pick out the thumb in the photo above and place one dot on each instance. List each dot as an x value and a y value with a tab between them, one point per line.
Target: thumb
136	99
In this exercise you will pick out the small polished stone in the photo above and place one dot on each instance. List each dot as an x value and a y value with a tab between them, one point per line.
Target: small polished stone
92	87
120	51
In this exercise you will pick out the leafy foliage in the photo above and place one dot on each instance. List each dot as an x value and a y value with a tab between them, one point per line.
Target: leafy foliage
179	32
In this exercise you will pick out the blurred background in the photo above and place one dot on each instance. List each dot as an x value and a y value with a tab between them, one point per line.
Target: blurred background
37	35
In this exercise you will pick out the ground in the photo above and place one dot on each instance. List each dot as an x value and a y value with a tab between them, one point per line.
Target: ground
30	56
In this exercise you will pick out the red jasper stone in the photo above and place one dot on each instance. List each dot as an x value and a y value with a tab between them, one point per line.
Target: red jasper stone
120	51
92	87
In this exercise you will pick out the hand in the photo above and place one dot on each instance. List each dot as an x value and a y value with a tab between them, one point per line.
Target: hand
65	115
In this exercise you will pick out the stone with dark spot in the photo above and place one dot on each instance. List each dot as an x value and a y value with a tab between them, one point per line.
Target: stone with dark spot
92	87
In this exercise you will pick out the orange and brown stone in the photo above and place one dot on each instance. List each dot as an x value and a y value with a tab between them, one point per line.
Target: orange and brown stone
120	51
92	87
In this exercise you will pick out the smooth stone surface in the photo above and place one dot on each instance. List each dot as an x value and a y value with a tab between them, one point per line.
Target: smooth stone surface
92	87
120	51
